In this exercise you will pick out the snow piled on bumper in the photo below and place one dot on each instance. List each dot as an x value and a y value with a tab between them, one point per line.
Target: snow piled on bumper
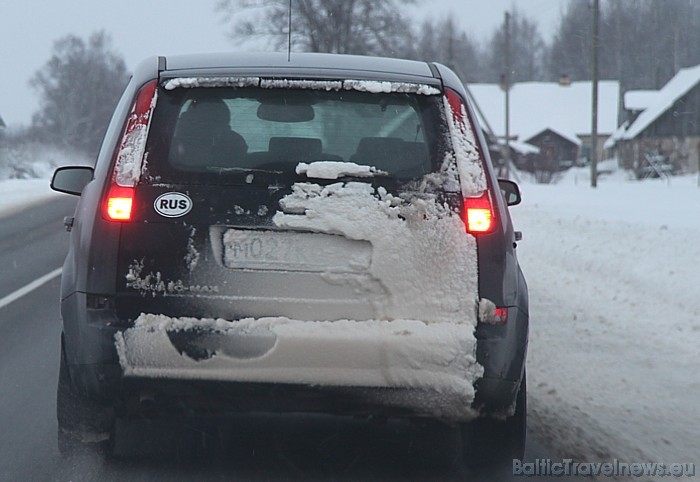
436	358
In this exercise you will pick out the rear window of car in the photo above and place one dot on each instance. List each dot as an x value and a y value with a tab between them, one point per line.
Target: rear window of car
202	134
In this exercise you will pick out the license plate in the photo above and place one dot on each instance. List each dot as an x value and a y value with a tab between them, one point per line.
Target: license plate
289	251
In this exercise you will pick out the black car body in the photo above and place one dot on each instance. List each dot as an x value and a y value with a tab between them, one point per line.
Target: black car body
171	230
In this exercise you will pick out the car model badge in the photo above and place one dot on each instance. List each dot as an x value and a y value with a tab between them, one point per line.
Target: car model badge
172	204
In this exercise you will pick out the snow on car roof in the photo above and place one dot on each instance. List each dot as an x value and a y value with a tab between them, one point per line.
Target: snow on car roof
371	86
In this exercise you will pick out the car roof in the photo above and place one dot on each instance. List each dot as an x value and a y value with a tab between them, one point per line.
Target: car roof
309	65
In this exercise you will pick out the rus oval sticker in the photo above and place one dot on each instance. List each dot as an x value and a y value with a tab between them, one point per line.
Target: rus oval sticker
172	204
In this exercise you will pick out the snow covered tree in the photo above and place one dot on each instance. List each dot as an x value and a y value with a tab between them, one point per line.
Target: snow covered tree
79	87
369	27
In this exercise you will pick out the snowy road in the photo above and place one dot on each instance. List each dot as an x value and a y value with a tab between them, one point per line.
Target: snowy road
273	448
615	318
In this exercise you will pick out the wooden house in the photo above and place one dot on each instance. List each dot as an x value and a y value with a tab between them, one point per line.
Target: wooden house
666	134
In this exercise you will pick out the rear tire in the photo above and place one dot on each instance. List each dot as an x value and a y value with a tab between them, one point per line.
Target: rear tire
83	424
489	442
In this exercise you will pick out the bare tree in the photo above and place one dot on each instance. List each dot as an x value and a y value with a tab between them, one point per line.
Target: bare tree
643	42
370	27
442	41
78	87
527	50
571	46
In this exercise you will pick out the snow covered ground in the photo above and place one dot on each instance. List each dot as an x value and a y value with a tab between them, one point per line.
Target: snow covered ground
17	194
615	316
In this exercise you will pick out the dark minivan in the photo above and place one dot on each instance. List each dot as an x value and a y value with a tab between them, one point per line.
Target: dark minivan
322	233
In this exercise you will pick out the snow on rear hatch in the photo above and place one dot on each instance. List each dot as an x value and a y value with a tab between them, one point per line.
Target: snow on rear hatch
421	333
336	169
420	252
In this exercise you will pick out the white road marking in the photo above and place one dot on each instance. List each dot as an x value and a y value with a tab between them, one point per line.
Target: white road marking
29	287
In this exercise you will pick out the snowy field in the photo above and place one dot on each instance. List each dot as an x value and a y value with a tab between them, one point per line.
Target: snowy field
615	313
17	194
615	316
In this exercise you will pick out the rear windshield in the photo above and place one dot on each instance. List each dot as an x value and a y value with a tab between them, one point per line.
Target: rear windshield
213	134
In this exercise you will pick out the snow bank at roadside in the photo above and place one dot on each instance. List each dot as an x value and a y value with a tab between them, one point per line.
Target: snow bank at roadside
615	318
25	173
18	194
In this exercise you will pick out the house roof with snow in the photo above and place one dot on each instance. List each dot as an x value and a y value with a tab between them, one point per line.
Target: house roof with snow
523	147
569	136
616	136
535	106
676	88
639	100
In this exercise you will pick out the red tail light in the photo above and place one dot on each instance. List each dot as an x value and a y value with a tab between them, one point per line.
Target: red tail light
455	105
129	157
480	217
500	315
119	202
478	211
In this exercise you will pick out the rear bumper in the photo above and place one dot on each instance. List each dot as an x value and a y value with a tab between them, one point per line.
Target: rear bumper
387	367
426	369
502	352
205	397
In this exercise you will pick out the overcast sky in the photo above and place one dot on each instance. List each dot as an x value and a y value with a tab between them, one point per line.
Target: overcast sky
141	28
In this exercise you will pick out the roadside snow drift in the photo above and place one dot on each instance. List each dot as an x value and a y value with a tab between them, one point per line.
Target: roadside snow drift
613	358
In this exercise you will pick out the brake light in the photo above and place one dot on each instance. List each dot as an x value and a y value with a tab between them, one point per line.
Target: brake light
491	314
456	106
478	210
479	214
120	200
500	316
127	167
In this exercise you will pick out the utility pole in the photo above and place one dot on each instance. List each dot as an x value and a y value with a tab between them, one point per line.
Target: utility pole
506	81
594	120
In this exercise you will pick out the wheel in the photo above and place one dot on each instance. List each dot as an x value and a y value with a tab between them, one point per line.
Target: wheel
489	442
83	424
